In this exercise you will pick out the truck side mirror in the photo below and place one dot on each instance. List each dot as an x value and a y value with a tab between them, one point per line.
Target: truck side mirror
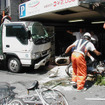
29	34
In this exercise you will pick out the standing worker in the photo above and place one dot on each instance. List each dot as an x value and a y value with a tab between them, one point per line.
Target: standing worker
78	35
82	47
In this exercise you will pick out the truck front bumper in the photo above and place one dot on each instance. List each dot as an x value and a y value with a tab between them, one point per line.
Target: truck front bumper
42	62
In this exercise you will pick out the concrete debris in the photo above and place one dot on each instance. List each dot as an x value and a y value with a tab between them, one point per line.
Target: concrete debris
54	74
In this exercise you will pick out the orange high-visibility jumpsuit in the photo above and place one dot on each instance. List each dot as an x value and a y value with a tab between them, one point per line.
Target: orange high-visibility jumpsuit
79	68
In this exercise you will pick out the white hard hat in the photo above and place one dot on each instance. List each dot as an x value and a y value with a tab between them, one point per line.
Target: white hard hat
87	35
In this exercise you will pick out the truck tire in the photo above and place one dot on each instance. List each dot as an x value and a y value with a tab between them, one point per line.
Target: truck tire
14	65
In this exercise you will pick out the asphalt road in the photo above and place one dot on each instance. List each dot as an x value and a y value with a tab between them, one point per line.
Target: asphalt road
19	82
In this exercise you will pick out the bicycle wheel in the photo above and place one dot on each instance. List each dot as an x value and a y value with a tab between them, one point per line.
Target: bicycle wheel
54	97
17	101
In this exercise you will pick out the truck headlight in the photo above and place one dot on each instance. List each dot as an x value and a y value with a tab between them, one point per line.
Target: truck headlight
36	55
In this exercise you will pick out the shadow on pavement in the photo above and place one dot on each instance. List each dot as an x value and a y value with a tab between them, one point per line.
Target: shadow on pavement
88	84
41	70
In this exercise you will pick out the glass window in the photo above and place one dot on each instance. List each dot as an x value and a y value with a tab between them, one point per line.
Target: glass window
17	31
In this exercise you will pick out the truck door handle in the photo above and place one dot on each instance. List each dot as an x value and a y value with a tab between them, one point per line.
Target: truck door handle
7	46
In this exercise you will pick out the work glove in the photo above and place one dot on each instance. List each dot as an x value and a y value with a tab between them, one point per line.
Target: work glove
92	59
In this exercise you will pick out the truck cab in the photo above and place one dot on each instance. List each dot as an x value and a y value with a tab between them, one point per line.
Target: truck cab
24	44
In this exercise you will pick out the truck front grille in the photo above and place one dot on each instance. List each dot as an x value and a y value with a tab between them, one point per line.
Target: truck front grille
38	60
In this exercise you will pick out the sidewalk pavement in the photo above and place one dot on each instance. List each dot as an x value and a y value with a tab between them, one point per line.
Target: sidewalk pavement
61	82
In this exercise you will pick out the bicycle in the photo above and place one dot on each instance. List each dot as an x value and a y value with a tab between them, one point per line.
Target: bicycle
41	96
6	94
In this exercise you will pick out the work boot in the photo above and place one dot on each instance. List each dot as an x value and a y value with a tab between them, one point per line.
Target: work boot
81	90
75	86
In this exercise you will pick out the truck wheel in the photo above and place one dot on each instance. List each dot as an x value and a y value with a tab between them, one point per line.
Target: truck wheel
14	65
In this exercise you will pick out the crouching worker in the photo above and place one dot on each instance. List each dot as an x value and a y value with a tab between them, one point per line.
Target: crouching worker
82	46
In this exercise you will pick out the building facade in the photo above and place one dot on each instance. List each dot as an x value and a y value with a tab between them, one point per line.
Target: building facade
10	7
53	13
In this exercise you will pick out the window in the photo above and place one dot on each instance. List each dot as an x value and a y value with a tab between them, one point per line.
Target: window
17	31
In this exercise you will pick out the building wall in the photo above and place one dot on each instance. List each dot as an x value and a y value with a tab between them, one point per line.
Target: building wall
13	9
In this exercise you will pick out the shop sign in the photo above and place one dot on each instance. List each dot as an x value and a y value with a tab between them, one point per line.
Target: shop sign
22	10
35	7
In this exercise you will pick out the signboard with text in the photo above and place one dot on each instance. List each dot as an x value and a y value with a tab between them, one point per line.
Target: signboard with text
35	7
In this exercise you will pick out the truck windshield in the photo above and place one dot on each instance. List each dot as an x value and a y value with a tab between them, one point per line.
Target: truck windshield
39	34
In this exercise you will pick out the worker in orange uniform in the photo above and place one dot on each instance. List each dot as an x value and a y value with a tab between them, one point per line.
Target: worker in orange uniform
82	46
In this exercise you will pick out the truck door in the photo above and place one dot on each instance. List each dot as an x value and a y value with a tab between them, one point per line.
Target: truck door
16	38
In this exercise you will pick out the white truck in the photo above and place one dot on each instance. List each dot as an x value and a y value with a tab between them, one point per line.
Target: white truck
24	44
